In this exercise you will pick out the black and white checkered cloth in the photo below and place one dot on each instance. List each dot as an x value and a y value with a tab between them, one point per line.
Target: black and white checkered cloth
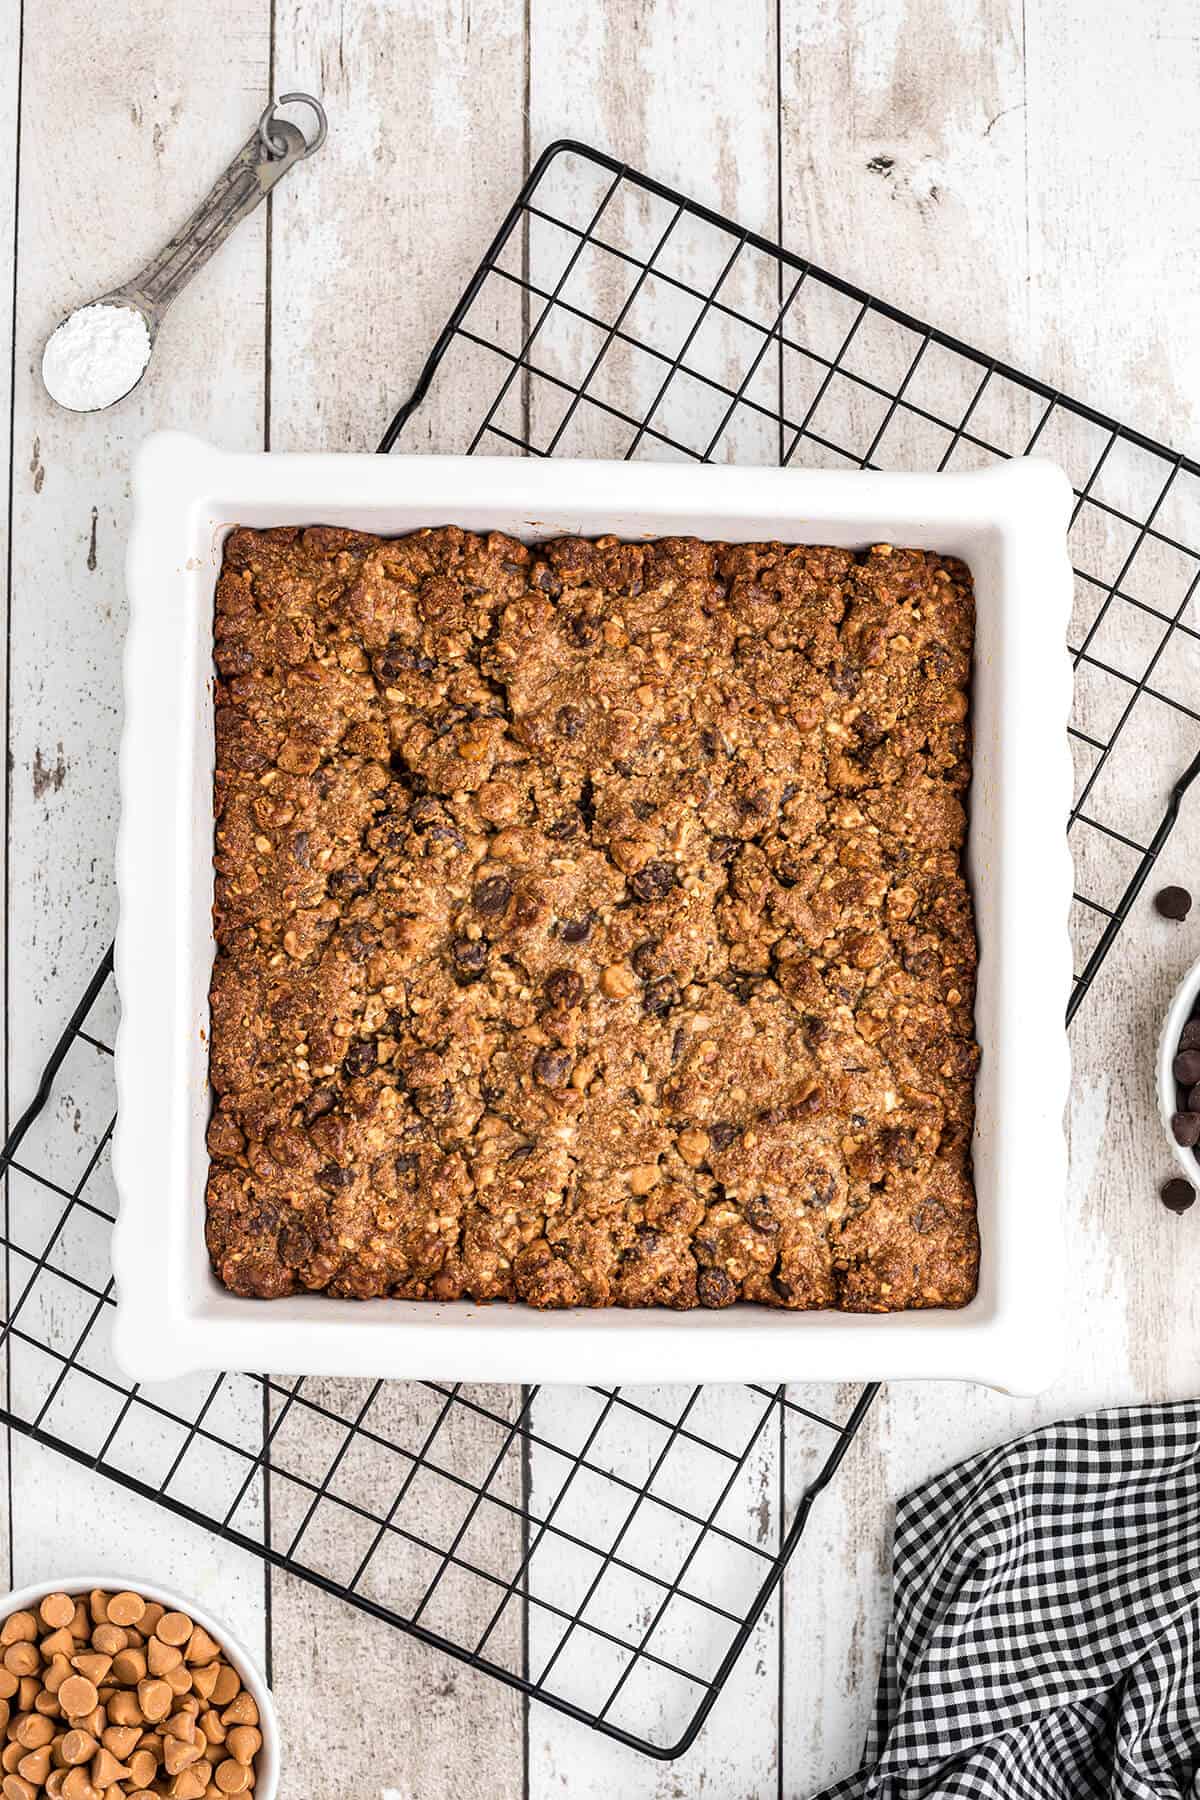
1045	1633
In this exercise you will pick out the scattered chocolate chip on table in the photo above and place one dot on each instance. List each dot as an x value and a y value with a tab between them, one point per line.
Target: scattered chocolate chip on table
1178	1194
1173	902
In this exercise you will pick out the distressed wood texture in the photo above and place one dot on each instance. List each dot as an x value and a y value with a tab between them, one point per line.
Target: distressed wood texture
100	186
991	165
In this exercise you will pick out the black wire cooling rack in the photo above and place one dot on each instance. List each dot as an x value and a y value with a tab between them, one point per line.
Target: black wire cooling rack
605	1550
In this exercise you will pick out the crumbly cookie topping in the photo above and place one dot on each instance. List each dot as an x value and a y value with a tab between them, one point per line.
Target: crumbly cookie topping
591	925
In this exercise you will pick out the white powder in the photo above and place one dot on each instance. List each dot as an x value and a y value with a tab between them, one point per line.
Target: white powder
95	356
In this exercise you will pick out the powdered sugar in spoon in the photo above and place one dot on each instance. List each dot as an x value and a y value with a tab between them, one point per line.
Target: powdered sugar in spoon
100	351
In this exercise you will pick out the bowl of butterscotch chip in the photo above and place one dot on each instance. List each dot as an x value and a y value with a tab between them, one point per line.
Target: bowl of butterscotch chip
111	1690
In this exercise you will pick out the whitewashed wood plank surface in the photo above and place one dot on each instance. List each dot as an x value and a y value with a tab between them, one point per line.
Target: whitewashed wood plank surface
169	97
935	154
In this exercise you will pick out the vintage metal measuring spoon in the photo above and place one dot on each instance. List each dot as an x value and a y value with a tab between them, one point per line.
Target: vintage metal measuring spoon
100	352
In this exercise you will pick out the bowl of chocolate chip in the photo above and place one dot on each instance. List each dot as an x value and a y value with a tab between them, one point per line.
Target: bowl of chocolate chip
1179	1074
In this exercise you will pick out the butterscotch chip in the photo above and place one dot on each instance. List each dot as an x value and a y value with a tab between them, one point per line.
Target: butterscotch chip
126	1608
174	1628
178	1755
204	1680
98	1606
161	1657
78	1785
109	1638
231	1777
181	1725
200	1647
11	1755
27	1692
57	1610
54	1783
77	1696
241	1711
244	1743
8	1684
36	1766
22	1658
143	1766
149	1619
191	1784
154	1698
33	1731
19	1628
120	1739
179	1680
77	1747
93	1665
123	1709
210	1724
15	1787
106	1769
129	1667
58	1643
225	1687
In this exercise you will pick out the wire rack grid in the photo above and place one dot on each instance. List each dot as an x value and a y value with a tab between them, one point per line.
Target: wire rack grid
604	1550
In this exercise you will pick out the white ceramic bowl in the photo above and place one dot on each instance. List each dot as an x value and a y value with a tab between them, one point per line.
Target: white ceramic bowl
1178	1013
266	1766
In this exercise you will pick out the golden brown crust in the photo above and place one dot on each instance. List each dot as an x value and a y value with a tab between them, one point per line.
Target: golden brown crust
591	927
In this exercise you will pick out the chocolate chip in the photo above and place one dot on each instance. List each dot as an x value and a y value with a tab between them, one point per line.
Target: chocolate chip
319	1102
722	1134
581	631
1173	902
760	1214
333	1179
858	1121
845	678
545	580
564	987
1189	1037
569	721
397	658
492	896
577	931
653	882
552	1067
295	1245
815	1029
723	849
643	958
927	1217
1186	1067
1177	1194
677	1043
361	1057
527	910
1185	1128
715	1288
660	997
469	957
344	884
406	1165
563	828
1193	1098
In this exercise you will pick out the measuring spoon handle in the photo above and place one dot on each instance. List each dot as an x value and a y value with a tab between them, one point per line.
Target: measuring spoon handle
263	160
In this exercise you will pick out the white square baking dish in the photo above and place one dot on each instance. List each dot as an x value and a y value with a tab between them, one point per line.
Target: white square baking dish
1008	523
